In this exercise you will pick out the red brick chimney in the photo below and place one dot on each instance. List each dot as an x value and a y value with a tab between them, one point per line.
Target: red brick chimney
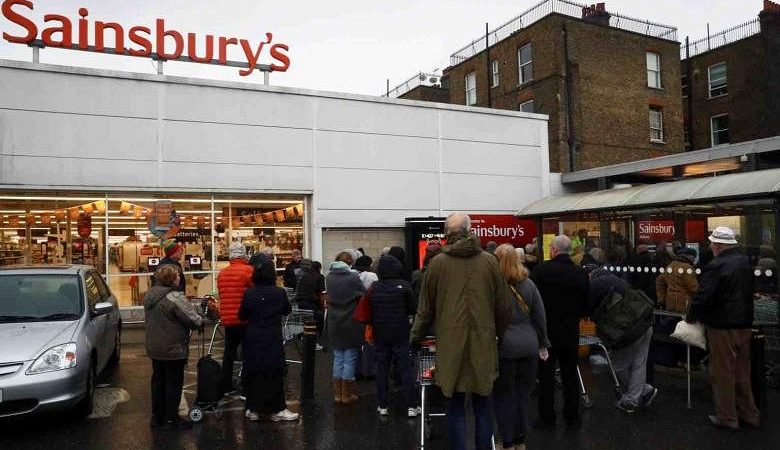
770	6
596	14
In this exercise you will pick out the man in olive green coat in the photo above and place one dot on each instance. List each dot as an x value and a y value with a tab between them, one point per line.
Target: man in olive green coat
466	299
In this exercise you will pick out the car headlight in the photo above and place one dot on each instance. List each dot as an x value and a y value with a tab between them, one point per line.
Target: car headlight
59	357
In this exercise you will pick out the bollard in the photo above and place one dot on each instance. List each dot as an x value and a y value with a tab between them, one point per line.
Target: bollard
309	352
758	371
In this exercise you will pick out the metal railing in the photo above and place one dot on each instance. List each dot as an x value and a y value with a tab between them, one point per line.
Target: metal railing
419	79
567	8
725	37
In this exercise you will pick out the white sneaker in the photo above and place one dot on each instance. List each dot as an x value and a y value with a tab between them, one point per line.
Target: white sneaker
285	415
382	411
317	347
413	412
251	415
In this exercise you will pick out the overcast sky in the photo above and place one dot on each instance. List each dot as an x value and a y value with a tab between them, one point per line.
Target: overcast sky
349	46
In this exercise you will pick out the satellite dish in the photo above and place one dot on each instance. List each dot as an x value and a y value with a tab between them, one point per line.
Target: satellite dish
433	80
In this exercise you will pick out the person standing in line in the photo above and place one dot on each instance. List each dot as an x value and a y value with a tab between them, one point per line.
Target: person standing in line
431	250
343	334
232	283
724	304
675	289
465	297
173	253
169	319
292	270
400	255
363	268
523	344
262	307
564	289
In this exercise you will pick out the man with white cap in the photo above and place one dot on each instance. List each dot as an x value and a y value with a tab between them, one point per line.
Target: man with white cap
724	304
232	282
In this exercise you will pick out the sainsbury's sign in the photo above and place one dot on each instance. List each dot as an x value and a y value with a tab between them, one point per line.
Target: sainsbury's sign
503	229
139	40
656	230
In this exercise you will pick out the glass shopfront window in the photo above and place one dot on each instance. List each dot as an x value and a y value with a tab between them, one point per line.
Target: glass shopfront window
120	234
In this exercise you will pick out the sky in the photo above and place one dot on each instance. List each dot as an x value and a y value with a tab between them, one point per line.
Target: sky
338	45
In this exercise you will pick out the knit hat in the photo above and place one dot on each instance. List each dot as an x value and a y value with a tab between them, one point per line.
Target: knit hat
363	263
169	246
306	263
236	250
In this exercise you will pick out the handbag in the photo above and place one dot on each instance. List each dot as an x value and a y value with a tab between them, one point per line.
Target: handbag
362	312
690	333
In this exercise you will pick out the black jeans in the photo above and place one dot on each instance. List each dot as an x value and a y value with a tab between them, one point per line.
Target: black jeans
565	353
233	337
385	353
265	391
456	421
511	392
167	382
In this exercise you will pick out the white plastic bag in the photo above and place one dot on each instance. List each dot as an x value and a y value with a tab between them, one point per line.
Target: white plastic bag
690	333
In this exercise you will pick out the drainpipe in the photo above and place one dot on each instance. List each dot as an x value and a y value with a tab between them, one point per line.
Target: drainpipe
487	63
571	136
689	98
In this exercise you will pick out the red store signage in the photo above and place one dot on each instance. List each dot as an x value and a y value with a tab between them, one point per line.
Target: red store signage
656	230
503	229
143	41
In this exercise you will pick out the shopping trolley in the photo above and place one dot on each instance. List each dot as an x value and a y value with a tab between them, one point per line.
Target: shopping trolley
292	328
594	341
209	397
426	372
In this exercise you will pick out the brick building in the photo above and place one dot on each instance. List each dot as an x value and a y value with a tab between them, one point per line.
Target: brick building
731	83
610	84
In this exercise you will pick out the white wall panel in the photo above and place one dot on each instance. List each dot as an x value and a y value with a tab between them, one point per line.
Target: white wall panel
77	135
490	159
375	117
369	218
190	141
235	176
72	173
358	150
488	193
359	189
489	128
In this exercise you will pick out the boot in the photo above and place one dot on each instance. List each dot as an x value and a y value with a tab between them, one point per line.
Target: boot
348	392
337	388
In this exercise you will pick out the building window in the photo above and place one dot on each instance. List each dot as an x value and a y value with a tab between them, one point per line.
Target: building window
684	86
471	89
653	70
526	64
717	79
527	106
720	129
494	67
656	125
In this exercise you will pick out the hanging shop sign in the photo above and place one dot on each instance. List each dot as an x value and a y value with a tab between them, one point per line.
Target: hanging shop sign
159	42
656	230
503	229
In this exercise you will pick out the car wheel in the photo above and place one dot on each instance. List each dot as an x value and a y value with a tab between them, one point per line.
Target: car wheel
85	407
117	353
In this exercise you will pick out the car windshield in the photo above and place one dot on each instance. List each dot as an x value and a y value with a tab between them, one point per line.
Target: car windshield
36	298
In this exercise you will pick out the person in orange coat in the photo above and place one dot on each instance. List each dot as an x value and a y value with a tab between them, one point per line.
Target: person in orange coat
232	282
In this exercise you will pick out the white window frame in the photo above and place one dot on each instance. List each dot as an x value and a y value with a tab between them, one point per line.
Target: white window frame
496	75
659	131
520	107
654	74
725	80
521	64
471	88
712	130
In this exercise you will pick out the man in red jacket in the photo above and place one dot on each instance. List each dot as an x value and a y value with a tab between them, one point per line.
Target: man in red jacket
232	282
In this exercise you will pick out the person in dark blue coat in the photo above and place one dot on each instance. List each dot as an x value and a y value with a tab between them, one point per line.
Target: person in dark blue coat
392	302
263	307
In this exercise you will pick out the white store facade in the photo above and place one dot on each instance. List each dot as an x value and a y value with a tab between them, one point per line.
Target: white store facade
90	142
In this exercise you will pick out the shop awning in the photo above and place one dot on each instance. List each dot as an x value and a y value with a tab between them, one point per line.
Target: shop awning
695	190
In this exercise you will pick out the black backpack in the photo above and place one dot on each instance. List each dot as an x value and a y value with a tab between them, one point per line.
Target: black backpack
622	319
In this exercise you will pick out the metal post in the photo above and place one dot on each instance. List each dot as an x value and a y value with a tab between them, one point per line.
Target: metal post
757	370
36	55
688	372
159	67
266	78
309	357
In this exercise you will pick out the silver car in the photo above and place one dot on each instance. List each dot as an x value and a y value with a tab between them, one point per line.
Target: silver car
59	328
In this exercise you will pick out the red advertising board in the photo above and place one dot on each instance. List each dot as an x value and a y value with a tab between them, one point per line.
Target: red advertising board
503	229
656	230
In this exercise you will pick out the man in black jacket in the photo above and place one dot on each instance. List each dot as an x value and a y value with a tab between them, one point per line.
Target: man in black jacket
564	288
724	304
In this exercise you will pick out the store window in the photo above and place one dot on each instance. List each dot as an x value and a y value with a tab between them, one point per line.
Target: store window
716	75
471	89
526	64
527	106
120	235
719	126
653	70
656	125
494	69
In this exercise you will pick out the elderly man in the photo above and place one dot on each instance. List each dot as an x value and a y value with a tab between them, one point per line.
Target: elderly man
724	304
564	288
232	282
293	269
466	298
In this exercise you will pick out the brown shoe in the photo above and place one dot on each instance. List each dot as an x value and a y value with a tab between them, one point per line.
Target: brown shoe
348	392
337	388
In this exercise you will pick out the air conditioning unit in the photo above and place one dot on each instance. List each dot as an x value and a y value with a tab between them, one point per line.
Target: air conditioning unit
433	80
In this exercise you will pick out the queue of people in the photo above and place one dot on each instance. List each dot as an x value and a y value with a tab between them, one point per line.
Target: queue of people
499	328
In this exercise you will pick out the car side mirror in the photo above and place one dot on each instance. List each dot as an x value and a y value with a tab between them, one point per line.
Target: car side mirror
102	308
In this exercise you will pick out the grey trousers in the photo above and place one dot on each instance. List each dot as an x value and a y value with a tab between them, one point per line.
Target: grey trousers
630	363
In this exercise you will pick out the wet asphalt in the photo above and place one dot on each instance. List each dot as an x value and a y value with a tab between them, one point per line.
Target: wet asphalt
121	420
